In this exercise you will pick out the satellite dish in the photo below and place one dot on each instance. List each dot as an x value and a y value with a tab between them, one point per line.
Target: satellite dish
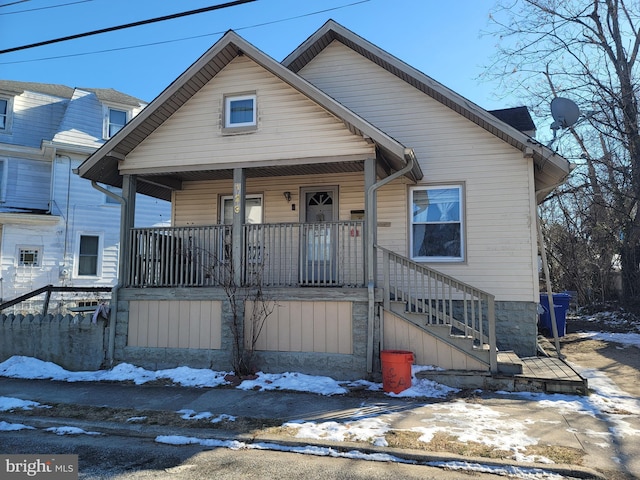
565	113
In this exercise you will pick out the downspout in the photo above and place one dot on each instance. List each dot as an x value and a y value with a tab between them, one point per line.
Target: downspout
121	266
410	157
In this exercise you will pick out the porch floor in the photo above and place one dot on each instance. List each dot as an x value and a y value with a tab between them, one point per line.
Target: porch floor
551	375
539	374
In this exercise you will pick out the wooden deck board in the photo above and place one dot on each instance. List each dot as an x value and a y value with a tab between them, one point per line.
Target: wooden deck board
548	368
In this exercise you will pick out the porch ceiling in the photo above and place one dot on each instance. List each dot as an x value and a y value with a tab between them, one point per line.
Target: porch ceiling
161	185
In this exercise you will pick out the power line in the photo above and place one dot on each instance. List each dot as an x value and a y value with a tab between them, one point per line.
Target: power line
13	3
317	12
40	8
128	25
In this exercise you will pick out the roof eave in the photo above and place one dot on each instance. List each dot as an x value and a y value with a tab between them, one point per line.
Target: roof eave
331	31
196	76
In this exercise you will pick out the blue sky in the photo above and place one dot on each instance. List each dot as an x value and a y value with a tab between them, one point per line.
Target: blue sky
442	39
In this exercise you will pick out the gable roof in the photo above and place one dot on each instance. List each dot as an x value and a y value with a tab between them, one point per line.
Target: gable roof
62	91
102	166
551	168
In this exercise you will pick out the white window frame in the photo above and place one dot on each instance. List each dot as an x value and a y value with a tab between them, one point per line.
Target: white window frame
107	118
246	126
460	221
29	248
8	115
76	269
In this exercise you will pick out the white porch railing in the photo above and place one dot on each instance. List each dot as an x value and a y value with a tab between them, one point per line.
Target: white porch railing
440	299
283	254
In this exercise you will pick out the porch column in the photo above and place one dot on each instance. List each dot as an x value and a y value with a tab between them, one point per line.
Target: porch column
127	222
370	225
370	216
237	235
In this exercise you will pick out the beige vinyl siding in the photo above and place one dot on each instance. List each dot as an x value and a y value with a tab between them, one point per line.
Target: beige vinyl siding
290	126
175	324
197	203
496	179
427	349
297	326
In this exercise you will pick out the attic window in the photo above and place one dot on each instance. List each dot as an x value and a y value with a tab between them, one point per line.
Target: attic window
240	111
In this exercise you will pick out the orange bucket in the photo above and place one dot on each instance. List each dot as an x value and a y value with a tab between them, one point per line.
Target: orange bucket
396	370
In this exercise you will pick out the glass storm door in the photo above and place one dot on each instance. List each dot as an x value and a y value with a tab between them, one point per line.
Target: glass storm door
318	262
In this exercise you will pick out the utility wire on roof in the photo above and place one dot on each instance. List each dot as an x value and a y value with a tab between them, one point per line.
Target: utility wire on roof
128	25
40	8
56	57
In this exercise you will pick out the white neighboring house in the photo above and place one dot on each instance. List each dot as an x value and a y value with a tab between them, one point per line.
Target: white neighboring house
55	227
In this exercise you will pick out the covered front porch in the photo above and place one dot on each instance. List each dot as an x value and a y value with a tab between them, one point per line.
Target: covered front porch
327	254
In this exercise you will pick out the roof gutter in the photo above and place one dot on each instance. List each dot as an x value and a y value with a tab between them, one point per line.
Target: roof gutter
410	157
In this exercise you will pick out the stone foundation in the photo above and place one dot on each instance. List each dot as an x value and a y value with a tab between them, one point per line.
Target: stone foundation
517	327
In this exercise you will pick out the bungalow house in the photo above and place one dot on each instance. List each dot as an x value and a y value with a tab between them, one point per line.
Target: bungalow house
372	206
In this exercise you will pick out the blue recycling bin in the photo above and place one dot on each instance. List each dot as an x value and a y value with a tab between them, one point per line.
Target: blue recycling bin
560	306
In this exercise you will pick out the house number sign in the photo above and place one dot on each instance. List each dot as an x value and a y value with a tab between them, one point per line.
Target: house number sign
237	188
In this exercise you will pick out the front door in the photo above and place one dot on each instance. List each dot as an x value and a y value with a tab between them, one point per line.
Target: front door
318	265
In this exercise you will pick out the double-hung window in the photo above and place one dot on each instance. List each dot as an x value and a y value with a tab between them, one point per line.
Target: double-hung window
240	111
88	255
6	107
437	223
114	120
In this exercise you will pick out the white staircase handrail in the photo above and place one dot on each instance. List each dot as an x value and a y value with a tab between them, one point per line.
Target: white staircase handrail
441	298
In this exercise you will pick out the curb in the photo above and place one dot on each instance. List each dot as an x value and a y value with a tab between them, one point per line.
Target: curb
410	456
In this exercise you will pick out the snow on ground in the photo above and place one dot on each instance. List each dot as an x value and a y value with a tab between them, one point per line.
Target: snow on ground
468	421
366	430
12	427
9	403
32	368
623	338
522	473
480	424
294	381
189	414
69	431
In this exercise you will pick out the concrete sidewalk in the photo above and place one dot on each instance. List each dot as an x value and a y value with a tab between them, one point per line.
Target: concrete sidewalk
559	427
